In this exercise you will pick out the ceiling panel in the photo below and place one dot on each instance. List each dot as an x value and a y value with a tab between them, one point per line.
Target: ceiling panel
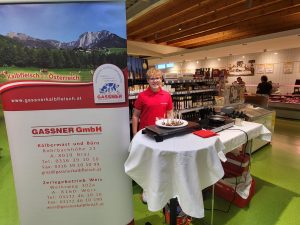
195	24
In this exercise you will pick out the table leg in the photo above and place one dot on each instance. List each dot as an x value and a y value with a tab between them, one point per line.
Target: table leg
212	205
173	211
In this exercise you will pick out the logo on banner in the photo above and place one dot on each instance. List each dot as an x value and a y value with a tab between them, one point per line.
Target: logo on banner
109	85
109	88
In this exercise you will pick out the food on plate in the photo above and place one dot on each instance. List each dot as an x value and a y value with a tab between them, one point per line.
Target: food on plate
172	122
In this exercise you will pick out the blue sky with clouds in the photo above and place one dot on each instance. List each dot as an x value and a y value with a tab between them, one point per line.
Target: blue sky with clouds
63	21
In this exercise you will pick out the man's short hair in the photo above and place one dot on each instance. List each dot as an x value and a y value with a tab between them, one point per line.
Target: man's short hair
264	78
153	72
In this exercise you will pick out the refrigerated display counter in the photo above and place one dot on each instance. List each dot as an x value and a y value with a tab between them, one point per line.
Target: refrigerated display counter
253	114
262	116
286	106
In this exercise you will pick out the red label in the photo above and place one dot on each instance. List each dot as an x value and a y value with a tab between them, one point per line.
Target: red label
36	95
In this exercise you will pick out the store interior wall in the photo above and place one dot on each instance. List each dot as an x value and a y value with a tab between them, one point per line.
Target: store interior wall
278	58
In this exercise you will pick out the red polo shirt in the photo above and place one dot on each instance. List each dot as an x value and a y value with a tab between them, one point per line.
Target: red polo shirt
152	105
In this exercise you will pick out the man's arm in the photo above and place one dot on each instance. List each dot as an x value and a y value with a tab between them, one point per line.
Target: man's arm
135	120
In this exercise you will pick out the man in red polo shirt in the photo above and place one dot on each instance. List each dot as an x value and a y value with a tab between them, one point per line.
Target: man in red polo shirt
152	103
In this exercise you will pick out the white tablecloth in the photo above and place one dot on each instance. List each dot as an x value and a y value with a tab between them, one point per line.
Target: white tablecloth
235	137
183	166
177	167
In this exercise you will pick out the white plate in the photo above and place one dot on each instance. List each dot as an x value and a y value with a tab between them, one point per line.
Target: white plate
163	122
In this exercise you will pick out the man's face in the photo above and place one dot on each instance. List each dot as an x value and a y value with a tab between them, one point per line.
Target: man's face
154	82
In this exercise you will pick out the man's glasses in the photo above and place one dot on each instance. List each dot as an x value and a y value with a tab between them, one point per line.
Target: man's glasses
154	78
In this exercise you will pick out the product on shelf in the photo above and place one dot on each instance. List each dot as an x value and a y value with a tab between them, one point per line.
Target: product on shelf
189	95
295	99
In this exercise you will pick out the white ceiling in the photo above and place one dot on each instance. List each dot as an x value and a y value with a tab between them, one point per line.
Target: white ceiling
164	54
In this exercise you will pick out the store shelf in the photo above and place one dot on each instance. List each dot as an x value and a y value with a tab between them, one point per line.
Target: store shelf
183	81
190	95
191	109
193	92
134	96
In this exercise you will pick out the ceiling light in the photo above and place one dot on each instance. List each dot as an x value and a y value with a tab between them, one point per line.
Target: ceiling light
275	53
179	28
243	56
219	59
197	62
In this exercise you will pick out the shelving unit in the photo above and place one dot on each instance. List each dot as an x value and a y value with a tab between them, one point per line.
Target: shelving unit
192	95
188	81
189	95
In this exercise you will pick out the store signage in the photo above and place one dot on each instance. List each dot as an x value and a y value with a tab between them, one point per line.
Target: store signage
67	167
64	98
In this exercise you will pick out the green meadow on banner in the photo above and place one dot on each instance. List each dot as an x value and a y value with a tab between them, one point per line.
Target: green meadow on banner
54	65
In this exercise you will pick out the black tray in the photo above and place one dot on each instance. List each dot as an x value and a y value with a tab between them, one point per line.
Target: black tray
160	133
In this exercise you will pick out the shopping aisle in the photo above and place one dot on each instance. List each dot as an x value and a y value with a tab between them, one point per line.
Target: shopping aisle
276	169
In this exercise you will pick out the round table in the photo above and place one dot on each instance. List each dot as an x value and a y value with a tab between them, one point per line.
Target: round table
179	167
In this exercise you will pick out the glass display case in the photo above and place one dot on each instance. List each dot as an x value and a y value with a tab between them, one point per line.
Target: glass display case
262	116
286	106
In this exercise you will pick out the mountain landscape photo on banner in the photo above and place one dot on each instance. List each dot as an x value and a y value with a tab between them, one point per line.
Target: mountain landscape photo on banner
51	42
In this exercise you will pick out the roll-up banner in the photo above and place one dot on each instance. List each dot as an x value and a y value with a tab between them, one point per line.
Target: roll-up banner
65	102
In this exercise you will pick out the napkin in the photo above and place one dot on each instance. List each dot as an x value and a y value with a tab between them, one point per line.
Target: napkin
205	133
